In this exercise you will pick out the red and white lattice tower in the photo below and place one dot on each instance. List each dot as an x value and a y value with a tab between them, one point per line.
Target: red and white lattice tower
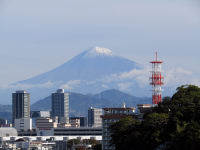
156	81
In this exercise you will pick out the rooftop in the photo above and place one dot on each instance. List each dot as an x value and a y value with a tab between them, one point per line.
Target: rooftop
7	131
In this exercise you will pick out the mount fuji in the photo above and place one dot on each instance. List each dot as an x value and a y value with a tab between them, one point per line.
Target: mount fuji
91	64
92	71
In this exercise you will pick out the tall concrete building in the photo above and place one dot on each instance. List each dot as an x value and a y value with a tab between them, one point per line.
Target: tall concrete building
94	117
20	105
110	116
60	106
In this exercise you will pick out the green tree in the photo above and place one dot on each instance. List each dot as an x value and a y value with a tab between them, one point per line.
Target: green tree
124	132
172	124
97	147
188	139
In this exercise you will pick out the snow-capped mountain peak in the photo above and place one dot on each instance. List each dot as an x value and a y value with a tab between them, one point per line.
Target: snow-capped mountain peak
99	51
89	72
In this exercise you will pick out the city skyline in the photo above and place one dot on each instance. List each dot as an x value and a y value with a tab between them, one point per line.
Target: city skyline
39	36
99	74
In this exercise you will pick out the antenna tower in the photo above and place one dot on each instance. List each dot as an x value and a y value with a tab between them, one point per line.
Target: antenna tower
156	81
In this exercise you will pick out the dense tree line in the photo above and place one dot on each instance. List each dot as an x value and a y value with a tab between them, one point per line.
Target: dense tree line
173	124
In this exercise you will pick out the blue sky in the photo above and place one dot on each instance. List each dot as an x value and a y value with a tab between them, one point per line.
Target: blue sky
36	36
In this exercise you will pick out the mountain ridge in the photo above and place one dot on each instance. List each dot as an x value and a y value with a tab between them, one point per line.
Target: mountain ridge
79	103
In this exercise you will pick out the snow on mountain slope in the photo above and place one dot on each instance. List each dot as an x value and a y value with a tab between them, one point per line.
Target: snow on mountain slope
98	51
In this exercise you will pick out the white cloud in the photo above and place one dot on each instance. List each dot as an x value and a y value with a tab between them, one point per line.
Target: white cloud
70	85
126	81
173	78
90	82
178	76
124	86
104	86
133	73
110	78
183	71
141	77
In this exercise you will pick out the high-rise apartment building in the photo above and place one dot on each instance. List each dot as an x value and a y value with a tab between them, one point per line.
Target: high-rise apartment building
94	117
20	105
60	106
110	116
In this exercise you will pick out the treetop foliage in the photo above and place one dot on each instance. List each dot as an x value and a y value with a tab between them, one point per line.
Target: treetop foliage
171	125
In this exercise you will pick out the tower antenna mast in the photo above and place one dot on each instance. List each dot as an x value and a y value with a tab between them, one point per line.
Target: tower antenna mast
156	80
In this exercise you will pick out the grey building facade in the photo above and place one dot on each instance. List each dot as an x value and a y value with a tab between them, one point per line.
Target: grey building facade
94	117
112	115
20	105
60	106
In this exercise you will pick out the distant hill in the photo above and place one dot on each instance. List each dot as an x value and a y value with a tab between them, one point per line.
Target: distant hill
79	103
118	97
6	112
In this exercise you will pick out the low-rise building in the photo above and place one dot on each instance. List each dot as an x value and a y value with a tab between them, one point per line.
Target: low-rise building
143	108
38	114
7	131
82	131
74	122
63	125
45	126
47	142
24	124
83	121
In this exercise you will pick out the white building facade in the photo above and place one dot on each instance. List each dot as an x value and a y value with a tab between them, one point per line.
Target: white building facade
24	124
